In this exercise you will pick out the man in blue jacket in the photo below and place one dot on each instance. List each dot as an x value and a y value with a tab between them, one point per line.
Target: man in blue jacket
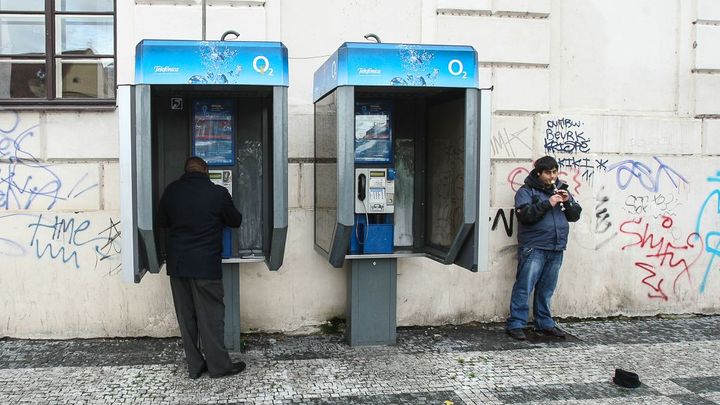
195	210
544	208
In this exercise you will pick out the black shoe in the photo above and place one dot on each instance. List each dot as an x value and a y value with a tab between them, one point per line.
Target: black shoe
236	369
554	332
197	374
517	334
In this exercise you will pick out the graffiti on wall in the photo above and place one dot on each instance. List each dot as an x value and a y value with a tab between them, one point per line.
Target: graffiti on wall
9	247
57	238
25	181
509	143
662	247
564	135
604	229
516	179
662	260
581	168
507	218
706	229
651	177
655	205
66	239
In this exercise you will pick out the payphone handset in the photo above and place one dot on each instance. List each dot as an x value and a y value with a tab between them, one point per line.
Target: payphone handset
374	191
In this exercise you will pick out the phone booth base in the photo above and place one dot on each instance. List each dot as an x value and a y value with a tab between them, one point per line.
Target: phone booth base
372	296
231	287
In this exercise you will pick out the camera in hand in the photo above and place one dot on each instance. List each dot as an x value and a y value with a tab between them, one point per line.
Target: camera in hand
563	187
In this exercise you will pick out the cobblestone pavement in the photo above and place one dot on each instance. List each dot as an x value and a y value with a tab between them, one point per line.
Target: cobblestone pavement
678	361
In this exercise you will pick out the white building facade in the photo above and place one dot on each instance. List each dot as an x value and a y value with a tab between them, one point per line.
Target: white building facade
626	95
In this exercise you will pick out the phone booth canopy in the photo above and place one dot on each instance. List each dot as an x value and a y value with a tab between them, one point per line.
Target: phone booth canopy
401	154
226	102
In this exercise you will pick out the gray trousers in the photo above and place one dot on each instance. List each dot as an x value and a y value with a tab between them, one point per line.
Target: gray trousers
201	316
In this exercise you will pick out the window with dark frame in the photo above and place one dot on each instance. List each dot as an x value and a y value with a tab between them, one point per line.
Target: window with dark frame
57	52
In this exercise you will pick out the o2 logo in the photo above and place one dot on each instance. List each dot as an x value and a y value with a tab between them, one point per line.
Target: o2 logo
456	68
261	64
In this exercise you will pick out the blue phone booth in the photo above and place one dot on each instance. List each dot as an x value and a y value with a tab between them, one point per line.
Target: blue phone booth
402	163
226	102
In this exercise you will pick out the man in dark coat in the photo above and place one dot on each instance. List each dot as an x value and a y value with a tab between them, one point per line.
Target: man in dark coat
544	208
195	210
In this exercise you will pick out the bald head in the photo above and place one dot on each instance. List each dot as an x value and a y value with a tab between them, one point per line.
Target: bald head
195	165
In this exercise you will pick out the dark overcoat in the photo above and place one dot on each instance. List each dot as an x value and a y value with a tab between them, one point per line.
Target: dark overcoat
195	211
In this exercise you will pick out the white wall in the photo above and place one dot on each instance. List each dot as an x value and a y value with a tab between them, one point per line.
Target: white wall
637	82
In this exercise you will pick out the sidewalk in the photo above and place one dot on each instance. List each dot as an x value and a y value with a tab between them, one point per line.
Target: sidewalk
678	361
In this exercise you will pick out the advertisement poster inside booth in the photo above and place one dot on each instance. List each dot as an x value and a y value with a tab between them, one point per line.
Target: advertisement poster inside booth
213	131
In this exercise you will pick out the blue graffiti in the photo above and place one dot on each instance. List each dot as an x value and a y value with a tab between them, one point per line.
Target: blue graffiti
111	248
66	236
628	170
21	183
710	247
9	247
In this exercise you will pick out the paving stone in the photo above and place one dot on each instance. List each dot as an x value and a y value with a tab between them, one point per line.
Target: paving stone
691	399
469	364
88	352
699	384
572	392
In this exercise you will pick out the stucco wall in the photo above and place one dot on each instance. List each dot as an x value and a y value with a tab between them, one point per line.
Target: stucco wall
623	93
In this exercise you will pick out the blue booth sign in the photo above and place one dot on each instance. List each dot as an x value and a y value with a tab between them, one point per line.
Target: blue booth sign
211	63
372	64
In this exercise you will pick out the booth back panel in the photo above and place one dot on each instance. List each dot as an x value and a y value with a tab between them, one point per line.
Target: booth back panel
445	171
173	145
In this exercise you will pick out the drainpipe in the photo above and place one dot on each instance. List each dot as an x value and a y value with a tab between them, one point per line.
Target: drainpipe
204	5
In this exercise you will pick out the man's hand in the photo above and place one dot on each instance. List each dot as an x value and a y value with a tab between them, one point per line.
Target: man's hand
555	199
564	194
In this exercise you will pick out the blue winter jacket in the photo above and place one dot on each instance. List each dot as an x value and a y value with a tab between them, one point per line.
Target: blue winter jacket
543	226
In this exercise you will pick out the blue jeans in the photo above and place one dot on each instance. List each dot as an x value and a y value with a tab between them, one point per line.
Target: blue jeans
537	269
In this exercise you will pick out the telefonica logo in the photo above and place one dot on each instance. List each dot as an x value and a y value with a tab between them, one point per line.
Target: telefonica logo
369	71
166	69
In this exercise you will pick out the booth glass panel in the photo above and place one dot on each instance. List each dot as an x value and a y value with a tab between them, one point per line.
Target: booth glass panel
251	154
404	191
445	171
325	171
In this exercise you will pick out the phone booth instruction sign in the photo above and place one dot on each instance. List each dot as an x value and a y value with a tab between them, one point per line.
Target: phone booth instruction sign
373	132
222	178
213	130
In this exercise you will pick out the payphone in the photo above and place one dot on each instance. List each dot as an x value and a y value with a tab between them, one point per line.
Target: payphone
374	179
402	168
223	101
375	191
374	206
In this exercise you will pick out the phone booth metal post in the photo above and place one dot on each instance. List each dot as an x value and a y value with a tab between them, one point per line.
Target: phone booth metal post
402	164
223	101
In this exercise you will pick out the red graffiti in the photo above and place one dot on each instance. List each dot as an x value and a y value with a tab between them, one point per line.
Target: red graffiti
516	178
513	180
661	257
575	184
